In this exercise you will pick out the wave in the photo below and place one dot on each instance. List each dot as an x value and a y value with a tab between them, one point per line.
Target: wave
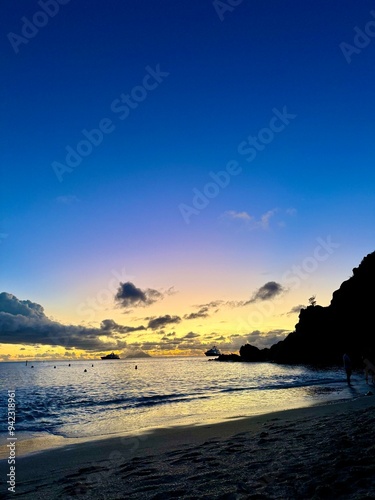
284	385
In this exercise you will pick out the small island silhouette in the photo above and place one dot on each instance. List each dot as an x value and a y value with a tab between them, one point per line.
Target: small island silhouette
137	355
323	334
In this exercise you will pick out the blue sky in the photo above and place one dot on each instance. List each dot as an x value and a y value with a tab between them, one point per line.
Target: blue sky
220	75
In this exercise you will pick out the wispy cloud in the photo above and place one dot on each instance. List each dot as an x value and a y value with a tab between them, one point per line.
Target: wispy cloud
232	214
202	313
248	221
296	309
262	222
291	211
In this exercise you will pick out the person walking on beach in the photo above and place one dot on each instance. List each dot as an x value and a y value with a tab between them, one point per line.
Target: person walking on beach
347	366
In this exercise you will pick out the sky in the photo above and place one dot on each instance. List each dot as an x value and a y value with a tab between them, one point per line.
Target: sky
177	175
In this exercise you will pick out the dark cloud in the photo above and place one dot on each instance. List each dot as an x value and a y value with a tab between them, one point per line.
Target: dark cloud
108	325
128	295
191	335
161	321
24	322
266	292
10	304
202	313
211	305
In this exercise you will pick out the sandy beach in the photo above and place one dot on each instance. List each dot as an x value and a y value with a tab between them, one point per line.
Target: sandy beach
310	453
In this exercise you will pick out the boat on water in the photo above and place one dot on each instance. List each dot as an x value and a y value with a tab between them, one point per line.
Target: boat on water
214	351
111	356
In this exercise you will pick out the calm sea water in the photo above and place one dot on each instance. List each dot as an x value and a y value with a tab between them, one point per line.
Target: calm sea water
112	397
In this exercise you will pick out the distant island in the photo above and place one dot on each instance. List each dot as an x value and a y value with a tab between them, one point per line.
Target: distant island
323	334
138	354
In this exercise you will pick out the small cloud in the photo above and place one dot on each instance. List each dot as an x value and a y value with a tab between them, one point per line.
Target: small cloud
266	292
191	335
249	221
161	321
108	325
232	214
202	313
128	295
296	309
265	218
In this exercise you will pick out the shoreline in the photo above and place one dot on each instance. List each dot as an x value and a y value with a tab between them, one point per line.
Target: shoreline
89	467
30	443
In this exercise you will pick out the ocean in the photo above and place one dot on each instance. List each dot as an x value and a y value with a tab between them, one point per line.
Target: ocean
94	398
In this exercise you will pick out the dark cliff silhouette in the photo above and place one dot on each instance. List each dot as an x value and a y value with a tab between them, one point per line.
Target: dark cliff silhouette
323	334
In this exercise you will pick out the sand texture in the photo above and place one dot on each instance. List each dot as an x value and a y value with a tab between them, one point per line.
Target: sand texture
324	452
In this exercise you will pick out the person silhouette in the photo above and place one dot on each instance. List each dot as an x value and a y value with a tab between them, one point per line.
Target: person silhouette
347	366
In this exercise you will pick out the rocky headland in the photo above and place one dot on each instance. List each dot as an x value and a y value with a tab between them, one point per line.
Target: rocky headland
323	334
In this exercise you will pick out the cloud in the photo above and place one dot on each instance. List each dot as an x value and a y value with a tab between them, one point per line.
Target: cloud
11	305
128	295
296	309
24	322
257	338
265	218
291	211
249	221
108	325
161	321
266	292
191	335
214	304
202	313
232	214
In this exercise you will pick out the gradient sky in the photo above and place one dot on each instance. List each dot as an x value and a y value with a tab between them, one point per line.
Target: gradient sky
291	219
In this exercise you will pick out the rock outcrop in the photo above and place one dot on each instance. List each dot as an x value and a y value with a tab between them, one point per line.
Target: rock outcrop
323	334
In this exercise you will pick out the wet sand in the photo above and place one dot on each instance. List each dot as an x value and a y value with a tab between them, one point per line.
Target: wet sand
321	452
